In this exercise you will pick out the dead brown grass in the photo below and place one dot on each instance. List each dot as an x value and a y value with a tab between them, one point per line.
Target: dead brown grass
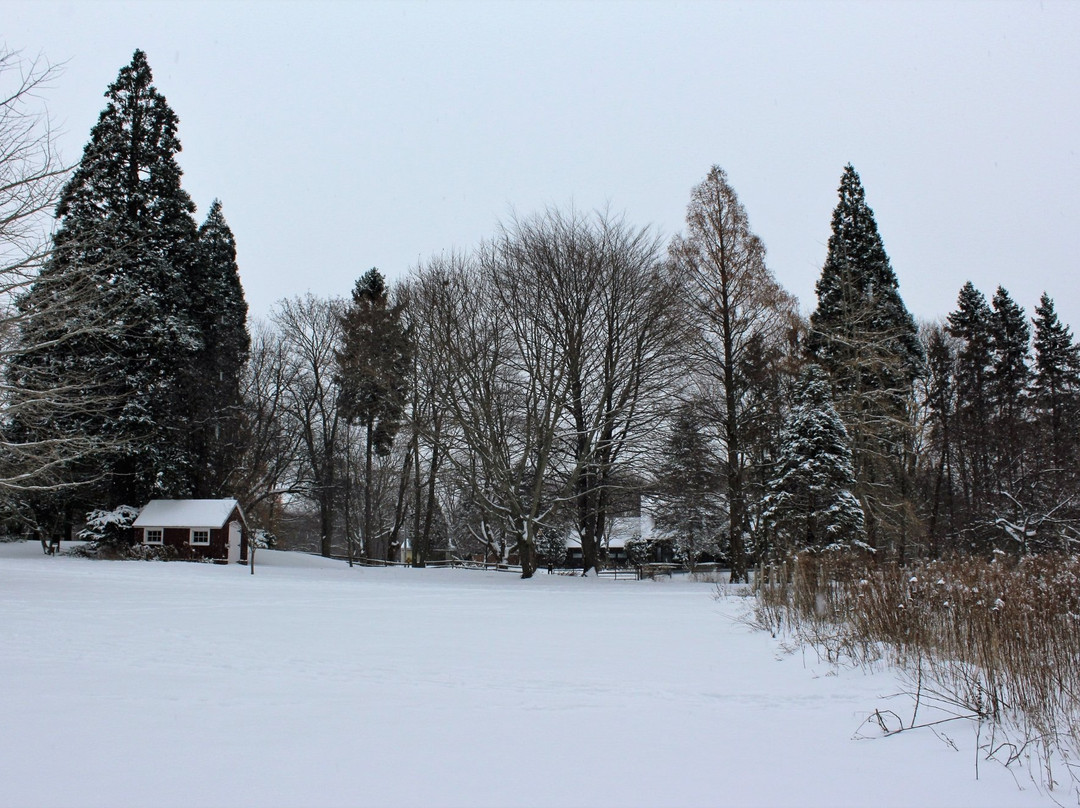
997	641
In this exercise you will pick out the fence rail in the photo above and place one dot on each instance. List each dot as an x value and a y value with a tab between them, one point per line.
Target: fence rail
645	571
451	563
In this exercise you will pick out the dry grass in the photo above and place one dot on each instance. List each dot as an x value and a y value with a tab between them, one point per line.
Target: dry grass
997	642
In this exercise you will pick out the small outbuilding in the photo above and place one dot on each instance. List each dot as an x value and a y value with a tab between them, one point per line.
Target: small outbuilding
212	529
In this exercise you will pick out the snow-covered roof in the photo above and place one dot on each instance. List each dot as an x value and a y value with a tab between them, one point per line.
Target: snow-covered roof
185	513
619	529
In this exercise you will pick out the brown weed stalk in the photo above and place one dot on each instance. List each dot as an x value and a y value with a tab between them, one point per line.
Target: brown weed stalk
996	640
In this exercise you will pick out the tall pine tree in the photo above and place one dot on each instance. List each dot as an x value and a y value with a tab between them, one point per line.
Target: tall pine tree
126	223
1010	382
1057	384
373	364
126	231
1056	407
970	324
864	336
218	311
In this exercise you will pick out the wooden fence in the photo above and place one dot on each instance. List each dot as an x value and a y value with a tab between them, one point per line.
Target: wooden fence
645	571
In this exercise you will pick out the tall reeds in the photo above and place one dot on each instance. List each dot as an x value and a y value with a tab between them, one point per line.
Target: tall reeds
997	641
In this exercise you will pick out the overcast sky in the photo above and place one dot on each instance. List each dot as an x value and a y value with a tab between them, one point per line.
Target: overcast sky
341	136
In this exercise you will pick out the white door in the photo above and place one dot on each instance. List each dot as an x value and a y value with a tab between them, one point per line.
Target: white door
234	542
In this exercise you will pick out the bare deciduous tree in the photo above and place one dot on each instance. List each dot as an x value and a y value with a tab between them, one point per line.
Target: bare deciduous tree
31	174
555	345
739	311
34	390
610	321
311	331
502	396
424	299
269	449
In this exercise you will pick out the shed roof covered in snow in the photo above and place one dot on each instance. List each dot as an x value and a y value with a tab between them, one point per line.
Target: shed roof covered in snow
186	513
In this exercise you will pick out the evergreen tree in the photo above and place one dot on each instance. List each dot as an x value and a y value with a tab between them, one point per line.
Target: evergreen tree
126	228
864	336
690	507
970	324
551	545
373	364
810	504
1056	400
1057	384
772	371
1010	380
218	311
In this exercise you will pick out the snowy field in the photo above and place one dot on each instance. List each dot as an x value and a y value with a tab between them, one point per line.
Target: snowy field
310	684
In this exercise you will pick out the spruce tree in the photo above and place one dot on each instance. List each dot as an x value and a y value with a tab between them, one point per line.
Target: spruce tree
970	324
372	377
217	309
1056	399
1010	381
1057	383
864	336
810	504
126	228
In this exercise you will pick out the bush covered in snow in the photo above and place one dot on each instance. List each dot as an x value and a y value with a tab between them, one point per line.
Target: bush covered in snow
263	539
639	550
110	530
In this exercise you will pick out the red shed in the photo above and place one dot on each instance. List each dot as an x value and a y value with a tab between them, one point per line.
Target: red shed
195	528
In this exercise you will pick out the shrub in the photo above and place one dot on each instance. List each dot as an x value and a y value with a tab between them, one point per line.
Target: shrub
110	531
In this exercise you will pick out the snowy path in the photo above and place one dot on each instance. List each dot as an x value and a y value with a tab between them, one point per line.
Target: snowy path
309	684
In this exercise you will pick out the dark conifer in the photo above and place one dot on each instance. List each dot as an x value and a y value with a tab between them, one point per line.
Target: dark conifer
126	226
1056	411
864	336
218	311
861	331
970	324
1010	381
372	377
810	504
1057	382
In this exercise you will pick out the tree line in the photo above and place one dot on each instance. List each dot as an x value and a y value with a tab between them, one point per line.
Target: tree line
569	369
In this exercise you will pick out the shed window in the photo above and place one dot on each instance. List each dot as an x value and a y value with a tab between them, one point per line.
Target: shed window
200	535
153	535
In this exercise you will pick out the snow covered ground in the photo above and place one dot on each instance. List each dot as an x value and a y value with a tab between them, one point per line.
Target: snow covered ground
312	684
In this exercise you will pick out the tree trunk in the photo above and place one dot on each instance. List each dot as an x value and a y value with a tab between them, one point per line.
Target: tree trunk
326	522
417	556
527	554
348	496
429	510
369	542
587	519
401	506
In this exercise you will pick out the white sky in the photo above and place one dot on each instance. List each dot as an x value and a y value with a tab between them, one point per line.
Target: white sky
341	136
